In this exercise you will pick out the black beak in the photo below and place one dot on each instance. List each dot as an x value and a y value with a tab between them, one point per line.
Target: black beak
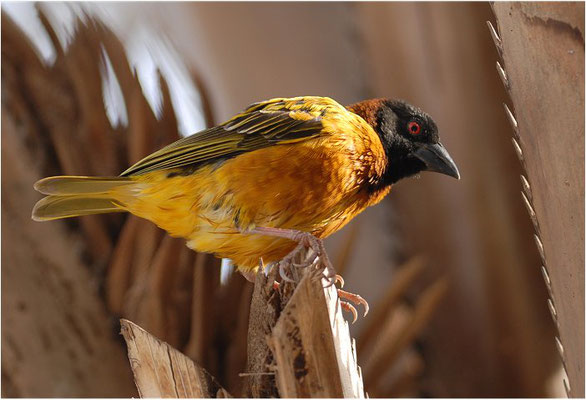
437	159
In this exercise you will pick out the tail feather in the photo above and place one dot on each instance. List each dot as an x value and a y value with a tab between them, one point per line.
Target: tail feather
68	185
57	207
74	196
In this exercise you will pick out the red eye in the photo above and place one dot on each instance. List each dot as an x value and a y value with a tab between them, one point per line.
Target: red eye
414	128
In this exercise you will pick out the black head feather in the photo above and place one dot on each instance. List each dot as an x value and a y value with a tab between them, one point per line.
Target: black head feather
401	128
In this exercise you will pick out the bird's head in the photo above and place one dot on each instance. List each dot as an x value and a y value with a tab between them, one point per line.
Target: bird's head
409	137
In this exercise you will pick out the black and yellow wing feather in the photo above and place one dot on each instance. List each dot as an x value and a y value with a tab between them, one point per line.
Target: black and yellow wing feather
264	124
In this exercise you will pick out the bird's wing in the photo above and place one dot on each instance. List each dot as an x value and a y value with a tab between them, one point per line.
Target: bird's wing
264	124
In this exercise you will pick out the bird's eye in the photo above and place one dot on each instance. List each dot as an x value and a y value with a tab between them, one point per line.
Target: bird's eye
414	128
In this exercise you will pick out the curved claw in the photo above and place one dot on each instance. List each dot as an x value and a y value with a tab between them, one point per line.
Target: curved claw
340	279
354	298
349	307
282	273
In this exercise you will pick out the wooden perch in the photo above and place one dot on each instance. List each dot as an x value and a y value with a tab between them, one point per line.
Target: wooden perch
161	371
311	343
312	351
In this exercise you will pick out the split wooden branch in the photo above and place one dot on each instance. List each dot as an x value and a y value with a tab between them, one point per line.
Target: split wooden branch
314	353
308	349
161	371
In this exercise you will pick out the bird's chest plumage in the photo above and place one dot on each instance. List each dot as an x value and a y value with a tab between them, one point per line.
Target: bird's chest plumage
305	186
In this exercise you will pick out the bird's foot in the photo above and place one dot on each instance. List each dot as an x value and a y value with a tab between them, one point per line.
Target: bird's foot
317	253
304	240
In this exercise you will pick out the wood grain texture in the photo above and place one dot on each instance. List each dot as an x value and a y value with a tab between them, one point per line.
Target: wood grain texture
265	307
314	353
543	53
161	371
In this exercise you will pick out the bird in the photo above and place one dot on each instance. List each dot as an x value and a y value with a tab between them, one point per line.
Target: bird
276	178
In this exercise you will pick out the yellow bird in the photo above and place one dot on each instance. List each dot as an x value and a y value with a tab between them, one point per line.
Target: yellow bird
283	174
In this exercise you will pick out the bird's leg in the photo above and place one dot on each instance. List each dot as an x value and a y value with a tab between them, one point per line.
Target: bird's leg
304	239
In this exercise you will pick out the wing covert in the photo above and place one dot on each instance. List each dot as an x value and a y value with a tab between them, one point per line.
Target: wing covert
274	122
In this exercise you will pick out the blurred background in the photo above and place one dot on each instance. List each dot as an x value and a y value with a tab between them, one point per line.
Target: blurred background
450	268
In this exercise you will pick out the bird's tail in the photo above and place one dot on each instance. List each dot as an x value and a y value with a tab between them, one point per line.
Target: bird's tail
73	196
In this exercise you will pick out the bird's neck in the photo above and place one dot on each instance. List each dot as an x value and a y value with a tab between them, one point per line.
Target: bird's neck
398	165
367	109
